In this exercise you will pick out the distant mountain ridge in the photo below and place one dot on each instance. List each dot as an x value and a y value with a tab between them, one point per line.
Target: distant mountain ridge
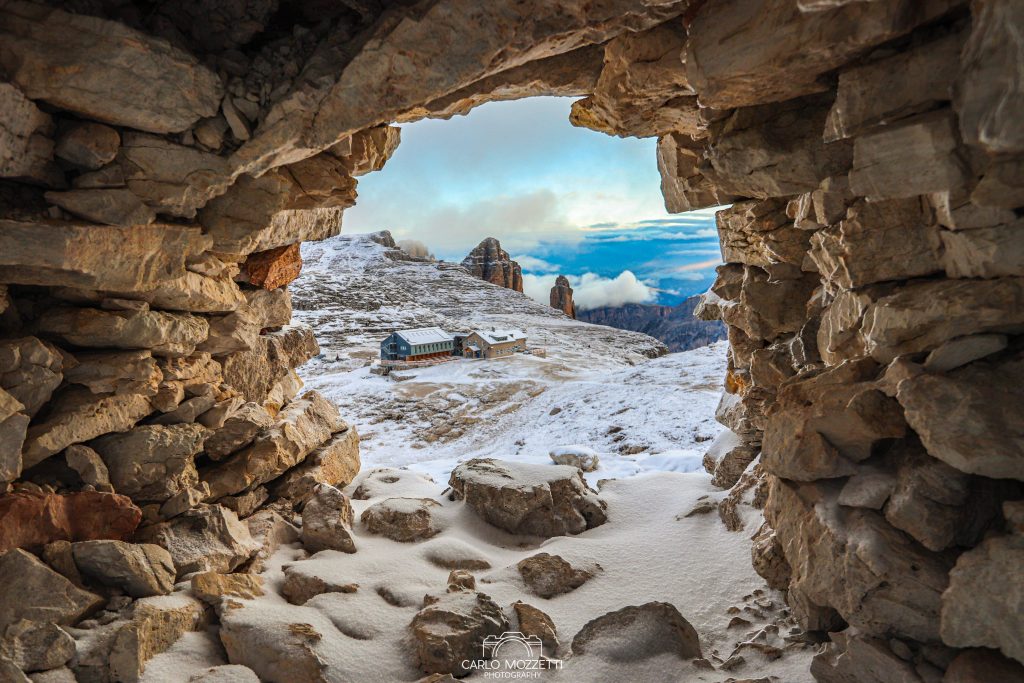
676	326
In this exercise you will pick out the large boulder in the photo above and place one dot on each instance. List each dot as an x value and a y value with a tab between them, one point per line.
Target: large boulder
35	592
302	426
633	634
402	519
451	628
280	645
538	500
140	570
152	462
32	521
335	463
208	538
327	521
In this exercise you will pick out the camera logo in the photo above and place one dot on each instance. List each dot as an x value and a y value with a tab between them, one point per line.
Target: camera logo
512	645
512	656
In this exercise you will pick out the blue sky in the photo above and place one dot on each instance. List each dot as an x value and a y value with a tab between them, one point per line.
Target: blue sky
562	200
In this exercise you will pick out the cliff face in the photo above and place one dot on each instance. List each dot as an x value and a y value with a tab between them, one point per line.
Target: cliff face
489	262
561	297
677	326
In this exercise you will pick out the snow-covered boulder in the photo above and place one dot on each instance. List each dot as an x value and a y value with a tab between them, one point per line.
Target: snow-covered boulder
539	500
577	456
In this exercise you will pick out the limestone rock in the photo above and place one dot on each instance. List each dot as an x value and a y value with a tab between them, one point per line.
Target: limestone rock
894	87
273	308
335	463
633	634
104	70
303	425
775	150
534	622
203	539
210	587
980	607
642	90
35	646
166	334
30	371
978	666
575	456
742	53
727	458
451	628
32	521
823	423
868	489
116	372
545	500
171	179
228	673
851	560
960	351
114	206
769	560
461	580
855	658
489	262
327	521
878	241
927	160
254	373
561	297
766	308
984	252
187	411
76	254
237	431
549	575
231	333
270	530
13	429
26	151
119	651
273	268
760	234
300	586
683	183
152	462
140	570
184	500
968	418
88	145
276	210
988	94
920	316
280	646
44	595
402	519
369	149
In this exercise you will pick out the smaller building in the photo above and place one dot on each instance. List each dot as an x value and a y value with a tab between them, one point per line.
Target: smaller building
493	343
425	343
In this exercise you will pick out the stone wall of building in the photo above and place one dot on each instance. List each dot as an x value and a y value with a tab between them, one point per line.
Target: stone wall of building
160	164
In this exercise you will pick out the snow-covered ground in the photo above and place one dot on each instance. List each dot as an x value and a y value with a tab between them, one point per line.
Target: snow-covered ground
649	417
596	386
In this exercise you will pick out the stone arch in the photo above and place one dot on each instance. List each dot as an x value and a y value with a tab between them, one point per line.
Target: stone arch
158	171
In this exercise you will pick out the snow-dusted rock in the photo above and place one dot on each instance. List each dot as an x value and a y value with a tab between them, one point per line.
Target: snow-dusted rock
402	519
207	538
534	622
210	587
549	575
327	521
576	455
451	628
300	585
528	499
229	673
633	634
140	570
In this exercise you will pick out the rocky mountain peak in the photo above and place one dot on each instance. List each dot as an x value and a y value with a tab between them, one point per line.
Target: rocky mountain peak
489	262
561	296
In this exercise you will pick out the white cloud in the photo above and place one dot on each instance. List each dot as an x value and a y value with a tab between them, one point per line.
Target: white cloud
593	291
534	264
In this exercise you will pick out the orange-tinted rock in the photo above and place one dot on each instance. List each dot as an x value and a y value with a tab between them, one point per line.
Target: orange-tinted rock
561	297
29	521
274	268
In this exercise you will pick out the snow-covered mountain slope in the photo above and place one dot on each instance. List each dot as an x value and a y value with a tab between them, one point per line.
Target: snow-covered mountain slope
597	386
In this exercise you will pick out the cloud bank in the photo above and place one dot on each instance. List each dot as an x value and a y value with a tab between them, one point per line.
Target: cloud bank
593	291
